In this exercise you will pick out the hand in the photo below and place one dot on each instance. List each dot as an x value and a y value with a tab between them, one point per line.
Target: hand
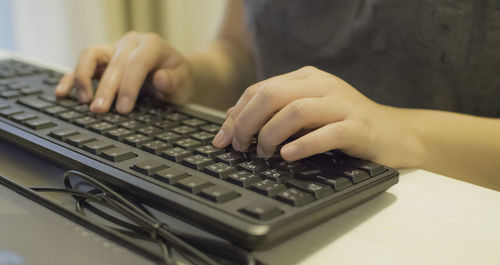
339	116
123	68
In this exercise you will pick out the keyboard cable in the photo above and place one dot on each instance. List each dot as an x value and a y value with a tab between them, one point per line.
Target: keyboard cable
145	226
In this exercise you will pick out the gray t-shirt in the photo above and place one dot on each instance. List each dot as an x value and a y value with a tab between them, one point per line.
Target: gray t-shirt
437	54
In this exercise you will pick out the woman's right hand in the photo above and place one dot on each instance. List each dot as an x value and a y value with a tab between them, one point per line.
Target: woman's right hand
123	68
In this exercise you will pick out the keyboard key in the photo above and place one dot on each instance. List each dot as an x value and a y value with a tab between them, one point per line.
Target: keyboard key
79	139
219	194
168	137
176	154
34	103
279	176
355	175
262	211
292	167
155	147
253	166
117	154
82	108
39	124
136	140
30	90
317	189
372	168
336	181
132	125
85	121
208	151
193	184
67	102
23	117
164	124
243	178
194	122
170	175
188	143
55	110
101	127
230	158
4	105
203	137
97	147
70	115
17	86
211	128
149	130
10	94
197	162
177	117
149	167
9	112
118	133
114	118
219	170
295	197
145	118
49	98
183	130
61	134
268	187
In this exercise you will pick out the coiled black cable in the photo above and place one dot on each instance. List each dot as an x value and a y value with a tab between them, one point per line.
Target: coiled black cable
144	225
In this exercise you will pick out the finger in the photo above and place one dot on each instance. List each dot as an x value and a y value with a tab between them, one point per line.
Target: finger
229	111
227	128
110	81
88	61
170	85
346	135
142	60
65	85
265	103
300	114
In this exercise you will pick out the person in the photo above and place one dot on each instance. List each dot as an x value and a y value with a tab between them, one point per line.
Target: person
413	84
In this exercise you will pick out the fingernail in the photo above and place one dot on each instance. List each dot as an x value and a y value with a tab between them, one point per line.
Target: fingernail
97	103
289	151
123	104
218	139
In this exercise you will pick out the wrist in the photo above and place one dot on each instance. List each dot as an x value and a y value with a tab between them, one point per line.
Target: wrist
399	138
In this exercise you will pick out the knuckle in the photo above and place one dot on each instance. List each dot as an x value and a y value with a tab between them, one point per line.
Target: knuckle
268	95
152	36
309	68
132	34
298	108
252	90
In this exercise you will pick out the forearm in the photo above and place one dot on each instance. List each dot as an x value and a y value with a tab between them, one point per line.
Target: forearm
221	72
457	145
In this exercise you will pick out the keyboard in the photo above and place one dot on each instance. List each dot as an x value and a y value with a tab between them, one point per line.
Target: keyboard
162	155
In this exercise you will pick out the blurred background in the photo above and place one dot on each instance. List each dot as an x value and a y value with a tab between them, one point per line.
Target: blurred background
57	30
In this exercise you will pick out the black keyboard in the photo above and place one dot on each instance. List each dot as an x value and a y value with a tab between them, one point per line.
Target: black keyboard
162	155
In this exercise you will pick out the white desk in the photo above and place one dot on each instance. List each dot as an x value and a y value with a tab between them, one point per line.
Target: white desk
424	219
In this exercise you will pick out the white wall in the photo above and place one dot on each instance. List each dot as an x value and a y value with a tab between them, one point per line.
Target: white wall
57	30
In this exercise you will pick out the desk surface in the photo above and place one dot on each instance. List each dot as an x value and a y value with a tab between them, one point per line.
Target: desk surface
425	219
